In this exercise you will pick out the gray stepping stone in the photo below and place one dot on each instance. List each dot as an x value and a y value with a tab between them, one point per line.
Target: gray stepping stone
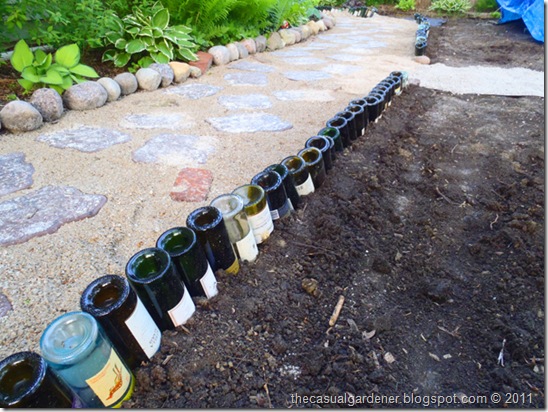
44	212
175	150
156	121
246	101
343	69
307	75
15	173
194	91
246	79
305	61
371	44
251	67
291	53
249	123
5	305
84	138
311	95
318	46
345	57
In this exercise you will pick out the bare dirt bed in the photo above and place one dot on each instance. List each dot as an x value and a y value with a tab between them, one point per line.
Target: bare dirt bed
432	228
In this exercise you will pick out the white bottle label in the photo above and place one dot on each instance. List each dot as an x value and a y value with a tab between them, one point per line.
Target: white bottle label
306	188
183	311
144	330
247	247
112	381
209	283
282	211
261	224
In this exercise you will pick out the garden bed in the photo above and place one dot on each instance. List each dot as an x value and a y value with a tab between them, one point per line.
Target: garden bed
431	227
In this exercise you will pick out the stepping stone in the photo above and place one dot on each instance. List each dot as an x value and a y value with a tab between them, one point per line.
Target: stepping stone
307	76
291	53
84	138
156	121
44	212
15	173
5	305
246	101
175	150
311	95
343	69
372	44
194	91
246	79
345	57
192	185
318	46
249	123
304	61
252	67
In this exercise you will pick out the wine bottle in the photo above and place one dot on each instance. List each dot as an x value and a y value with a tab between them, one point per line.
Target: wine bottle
363	116
383	91
207	222
373	106
380	95
334	135
398	78
151	274
189	260
351	124
79	353
276	195
324	145
341	125
302	177
390	85
315	164
124	318
239	232
288	182
257	211
26	381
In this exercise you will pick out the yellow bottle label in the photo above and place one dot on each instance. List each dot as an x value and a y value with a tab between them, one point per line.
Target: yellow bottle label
112	382
234	268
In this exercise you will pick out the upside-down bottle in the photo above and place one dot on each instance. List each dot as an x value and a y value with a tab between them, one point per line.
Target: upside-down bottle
289	183
324	145
302	177
189	260
315	164
278	202
79	353
124	318
26	381
257	211
151	274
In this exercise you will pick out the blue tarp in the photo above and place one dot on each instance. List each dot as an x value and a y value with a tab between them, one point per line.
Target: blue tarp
531	11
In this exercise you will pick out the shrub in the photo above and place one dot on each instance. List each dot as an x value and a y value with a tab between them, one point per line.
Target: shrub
486	6
148	38
406	5
39	69
451	6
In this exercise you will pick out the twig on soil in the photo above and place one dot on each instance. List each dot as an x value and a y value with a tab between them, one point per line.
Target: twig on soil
446	198
315	247
336	311
494	221
501	354
453	149
166	360
265	386
455	333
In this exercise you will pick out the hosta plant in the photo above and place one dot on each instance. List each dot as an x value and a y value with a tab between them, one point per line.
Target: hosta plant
41	69
451	6
148	38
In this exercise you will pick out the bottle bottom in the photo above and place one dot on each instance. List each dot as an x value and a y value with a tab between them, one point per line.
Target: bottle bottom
127	396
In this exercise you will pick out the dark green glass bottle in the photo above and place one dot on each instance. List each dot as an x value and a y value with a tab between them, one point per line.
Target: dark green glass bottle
289	183
315	164
276	196
359	117
189	260
365	115
351	124
303	180
124	318
324	145
373	101
151	274
334	135
207	222
340	123
26	381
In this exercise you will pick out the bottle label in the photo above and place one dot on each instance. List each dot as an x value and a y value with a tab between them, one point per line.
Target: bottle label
144	330
247	247
363	131
209	283
261	224
306	188
282	211
183	311
112	382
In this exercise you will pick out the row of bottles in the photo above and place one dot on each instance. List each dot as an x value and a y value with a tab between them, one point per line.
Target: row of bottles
421	35
87	356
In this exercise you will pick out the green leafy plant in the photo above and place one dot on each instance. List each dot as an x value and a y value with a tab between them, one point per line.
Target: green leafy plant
406	5
58	72
486	6
451	6
148	38
496	15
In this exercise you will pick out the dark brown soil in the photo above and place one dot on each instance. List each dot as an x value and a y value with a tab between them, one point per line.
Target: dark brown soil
431	227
